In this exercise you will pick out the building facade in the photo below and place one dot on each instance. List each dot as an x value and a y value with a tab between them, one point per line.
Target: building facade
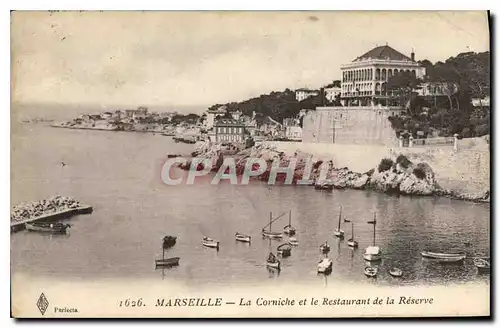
229	130
301	94
364	80
212	114
332	93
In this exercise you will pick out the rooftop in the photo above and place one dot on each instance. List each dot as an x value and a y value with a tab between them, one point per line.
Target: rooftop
384	53
228	122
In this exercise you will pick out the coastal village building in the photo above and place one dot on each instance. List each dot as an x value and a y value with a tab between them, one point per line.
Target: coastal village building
229	130
478	102
364	80
436	89
301	94
212	114
332	93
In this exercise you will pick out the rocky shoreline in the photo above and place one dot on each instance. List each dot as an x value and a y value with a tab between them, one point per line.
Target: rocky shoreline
396	175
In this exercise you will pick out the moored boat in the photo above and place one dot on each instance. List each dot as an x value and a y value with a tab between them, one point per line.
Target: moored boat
324	248
371	271
170	262
289	229
273	262
243	238
444	257
209	242
169	241
284	250
48	227
351	242
269	233
293	241
372	253
396	272
339	233
325	266
482	265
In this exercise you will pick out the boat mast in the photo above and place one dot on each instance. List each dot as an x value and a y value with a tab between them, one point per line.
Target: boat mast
290	218
340	215
270	221
352	231
374	224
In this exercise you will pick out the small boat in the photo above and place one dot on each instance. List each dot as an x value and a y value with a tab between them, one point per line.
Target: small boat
339	232
351	242
209	242
273	262
243	238
269	233
445	257
325	266
482	265
169	241
48	227
371	271
170	262
396	272
372	253
324	248
288	229
293	241
284	250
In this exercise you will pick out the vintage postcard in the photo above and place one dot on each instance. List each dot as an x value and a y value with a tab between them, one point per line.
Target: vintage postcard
315	164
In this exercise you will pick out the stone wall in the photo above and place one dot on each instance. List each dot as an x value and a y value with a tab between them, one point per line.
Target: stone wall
467	170
350	125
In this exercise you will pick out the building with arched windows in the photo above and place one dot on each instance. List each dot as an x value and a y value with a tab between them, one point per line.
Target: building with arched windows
364	80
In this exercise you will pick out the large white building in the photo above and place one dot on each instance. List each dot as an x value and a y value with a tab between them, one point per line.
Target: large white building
364	80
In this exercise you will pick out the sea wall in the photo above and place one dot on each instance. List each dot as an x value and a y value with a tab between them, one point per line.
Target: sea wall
464	171
350	126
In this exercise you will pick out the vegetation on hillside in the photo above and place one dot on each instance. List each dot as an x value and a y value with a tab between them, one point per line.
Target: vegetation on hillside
463	77
280	104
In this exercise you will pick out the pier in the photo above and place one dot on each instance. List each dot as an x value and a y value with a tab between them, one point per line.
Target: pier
16	226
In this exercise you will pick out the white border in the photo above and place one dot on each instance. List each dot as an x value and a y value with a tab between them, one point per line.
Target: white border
188	5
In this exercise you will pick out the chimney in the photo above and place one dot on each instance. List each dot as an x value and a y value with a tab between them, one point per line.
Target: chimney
412	55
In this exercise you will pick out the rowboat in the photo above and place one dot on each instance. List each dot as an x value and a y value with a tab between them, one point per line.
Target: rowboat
324	248
371	271
170	262
288	229
372	253
396	272
339	232
209	242
325	266
284	250
169	241
48	227
293	241
444	257
242	238
482	265
273	262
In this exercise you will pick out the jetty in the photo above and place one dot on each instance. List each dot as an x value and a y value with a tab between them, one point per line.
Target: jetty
16	226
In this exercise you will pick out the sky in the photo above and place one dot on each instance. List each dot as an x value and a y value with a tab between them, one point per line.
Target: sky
176	60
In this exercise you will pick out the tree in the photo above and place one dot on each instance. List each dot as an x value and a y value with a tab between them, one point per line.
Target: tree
403	85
